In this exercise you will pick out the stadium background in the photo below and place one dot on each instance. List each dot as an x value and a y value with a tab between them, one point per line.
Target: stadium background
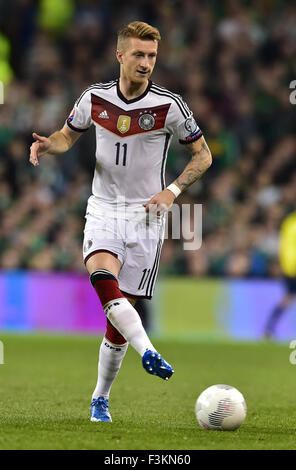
232	62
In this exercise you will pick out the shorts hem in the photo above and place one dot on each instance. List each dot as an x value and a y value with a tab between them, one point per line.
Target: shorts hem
116	255
133	296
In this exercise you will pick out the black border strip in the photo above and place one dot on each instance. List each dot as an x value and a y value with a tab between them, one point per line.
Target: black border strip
153	269
76	128
156	268
186	142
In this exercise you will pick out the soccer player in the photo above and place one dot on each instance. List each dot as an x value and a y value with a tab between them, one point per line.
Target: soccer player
135	120
287	259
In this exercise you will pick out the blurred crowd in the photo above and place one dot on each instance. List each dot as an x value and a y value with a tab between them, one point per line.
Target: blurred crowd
231	61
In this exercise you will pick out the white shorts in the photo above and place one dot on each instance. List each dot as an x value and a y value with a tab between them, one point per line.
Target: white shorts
137	243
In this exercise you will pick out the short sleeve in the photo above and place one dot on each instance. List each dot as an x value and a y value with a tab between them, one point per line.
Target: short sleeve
188	131
184	126
79	120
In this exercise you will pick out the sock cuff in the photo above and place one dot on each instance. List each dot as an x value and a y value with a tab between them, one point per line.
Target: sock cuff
101	275
114	346
114	303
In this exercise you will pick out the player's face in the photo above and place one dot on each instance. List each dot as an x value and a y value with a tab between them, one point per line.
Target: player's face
138	59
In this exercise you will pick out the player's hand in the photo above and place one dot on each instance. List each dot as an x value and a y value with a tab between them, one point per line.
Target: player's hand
161	202
40	147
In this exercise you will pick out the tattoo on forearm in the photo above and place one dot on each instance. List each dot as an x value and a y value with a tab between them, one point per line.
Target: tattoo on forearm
195	168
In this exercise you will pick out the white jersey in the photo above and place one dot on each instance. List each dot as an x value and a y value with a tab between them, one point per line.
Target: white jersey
132	139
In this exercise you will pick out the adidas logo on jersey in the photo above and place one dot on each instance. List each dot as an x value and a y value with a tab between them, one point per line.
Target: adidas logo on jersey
104	114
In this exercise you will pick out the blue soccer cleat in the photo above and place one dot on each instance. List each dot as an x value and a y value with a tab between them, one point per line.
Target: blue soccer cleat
154	364
99	410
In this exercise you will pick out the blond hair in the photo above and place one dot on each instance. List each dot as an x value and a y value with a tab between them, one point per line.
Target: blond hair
137	29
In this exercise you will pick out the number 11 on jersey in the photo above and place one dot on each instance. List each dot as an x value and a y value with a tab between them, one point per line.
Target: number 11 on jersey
118	153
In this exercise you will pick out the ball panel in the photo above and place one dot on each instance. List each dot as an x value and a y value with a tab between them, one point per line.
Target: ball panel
230	423
225	408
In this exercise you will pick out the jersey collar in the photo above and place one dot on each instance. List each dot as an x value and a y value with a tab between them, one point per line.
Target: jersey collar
133	100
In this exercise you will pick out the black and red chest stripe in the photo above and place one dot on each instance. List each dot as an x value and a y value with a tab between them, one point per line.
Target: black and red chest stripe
126	123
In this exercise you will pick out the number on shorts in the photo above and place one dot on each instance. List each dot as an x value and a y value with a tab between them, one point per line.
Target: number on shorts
144	279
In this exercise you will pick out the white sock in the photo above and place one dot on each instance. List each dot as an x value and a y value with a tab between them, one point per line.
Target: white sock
110	359
125	318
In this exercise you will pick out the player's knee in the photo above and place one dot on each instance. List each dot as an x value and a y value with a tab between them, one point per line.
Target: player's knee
106	285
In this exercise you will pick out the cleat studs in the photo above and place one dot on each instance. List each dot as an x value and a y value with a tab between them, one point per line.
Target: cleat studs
153	355
150	368
147	362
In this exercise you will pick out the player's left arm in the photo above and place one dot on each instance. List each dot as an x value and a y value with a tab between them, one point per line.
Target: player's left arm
200	161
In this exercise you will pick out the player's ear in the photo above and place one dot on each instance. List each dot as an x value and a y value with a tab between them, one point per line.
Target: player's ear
119	56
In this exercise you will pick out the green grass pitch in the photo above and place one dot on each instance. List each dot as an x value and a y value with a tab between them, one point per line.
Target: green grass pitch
47	382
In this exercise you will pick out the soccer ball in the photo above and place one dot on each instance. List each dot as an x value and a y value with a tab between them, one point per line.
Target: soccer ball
220	407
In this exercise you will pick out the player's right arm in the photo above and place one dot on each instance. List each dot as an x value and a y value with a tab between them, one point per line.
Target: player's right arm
59	142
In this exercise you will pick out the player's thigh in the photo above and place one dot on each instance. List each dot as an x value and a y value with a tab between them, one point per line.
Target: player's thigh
140	268
103	248
139	272
103	260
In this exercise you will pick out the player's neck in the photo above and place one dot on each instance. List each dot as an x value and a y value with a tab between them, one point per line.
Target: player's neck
131	90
